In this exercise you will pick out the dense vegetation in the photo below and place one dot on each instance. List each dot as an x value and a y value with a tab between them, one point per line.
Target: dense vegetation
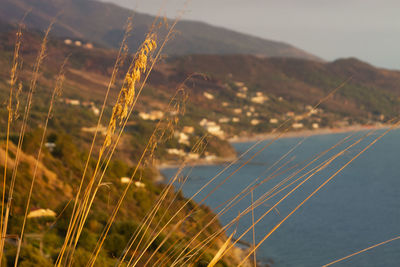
44	235
63	159
240	95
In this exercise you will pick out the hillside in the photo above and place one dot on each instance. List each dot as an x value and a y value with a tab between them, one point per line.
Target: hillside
103	23
58	176
237	95
63	160
243	94
368	93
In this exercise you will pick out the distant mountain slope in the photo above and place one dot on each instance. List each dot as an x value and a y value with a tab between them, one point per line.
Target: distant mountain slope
368	92
242	92
103	23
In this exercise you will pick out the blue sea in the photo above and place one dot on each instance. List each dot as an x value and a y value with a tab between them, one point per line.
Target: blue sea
358	208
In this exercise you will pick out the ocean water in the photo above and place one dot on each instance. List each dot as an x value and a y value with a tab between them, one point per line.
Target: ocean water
358	208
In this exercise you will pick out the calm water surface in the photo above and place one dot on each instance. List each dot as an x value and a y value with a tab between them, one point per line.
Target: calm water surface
358	208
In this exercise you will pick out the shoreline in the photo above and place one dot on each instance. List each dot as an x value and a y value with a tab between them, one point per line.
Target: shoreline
243	246
306	133
200	162
267	136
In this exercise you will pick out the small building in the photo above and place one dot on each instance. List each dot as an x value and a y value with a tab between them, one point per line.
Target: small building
243	89
298	117
208	96
193	156
290	113
102	129
224	120
152	116
95	110
259	98
88	46
203	122
237	111
174	151
255	122
188	129
182	138
235	119
225	104
210	157
72	102
297	125
50	146
212	128
68	41
311	110
87	103
139	184
215	130
315	125
39	213
241	95
273	120
78	43
125	180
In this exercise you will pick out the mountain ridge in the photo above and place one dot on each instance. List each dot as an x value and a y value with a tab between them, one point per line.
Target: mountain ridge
103	24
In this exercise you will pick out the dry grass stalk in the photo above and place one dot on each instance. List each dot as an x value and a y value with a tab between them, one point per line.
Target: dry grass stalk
87	202
177	108
147	220
13	81
361	251
127	94
198	147
220	252
56	93
32	88
254	230
174	109
123	50
118	115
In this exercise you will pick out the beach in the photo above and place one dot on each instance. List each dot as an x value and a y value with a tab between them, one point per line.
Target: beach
268	136
305	133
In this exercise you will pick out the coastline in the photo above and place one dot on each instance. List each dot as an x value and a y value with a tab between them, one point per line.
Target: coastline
199	162
306	133
242	247
267	136
345	130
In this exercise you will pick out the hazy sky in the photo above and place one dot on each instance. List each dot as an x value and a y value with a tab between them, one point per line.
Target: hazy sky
366	29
